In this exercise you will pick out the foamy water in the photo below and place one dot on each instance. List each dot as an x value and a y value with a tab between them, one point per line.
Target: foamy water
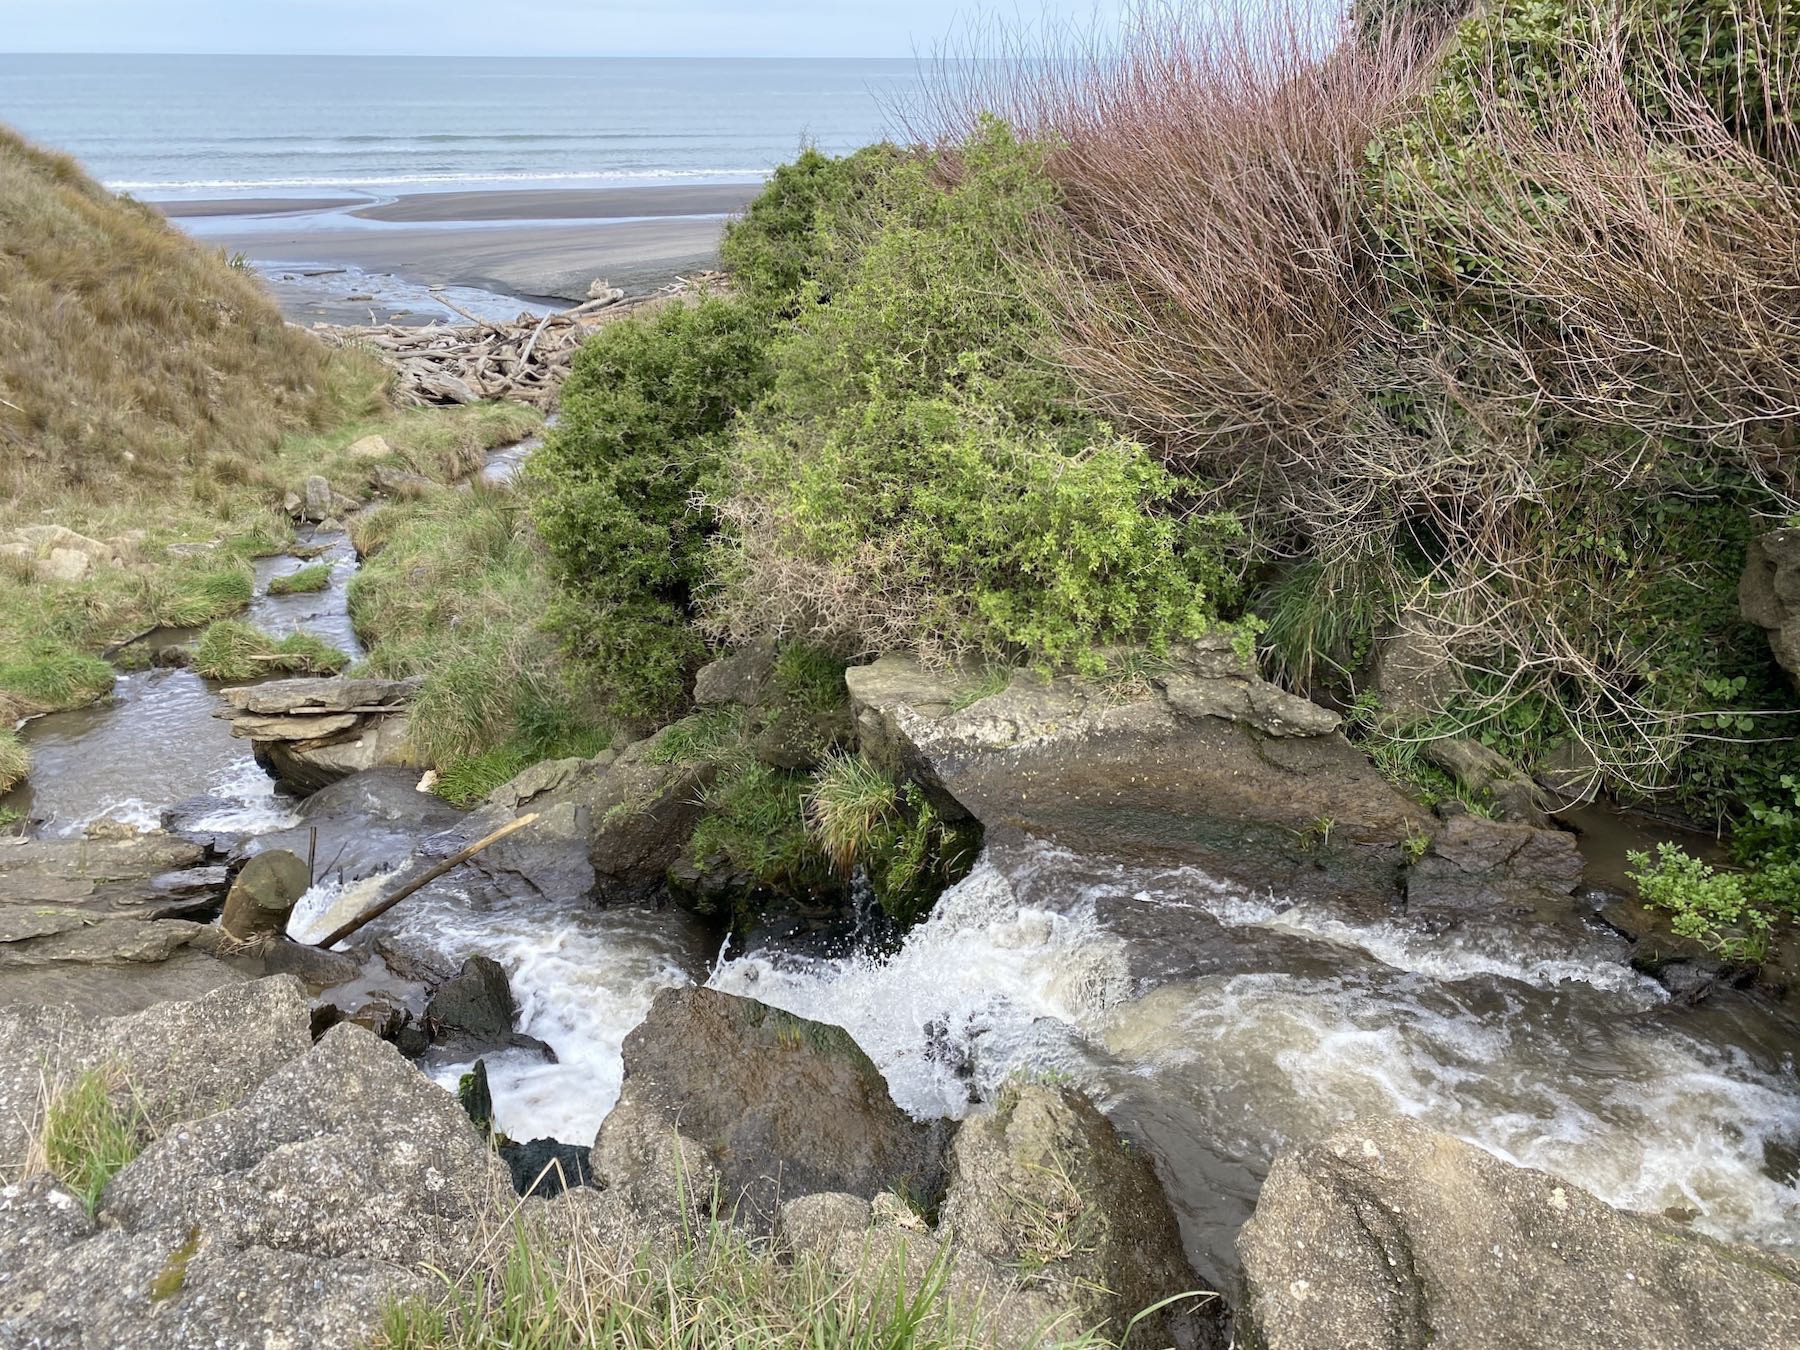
1554	1062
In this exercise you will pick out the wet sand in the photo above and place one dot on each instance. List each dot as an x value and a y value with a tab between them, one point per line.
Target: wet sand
538	244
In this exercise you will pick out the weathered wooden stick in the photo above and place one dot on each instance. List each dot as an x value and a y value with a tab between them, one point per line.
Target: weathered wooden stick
421	881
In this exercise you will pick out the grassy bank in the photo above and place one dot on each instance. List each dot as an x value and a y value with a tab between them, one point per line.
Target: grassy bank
454	589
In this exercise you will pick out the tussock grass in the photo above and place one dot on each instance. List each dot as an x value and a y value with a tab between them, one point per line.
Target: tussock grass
231	650
131	358
15	759
91	1130
850	803
307	580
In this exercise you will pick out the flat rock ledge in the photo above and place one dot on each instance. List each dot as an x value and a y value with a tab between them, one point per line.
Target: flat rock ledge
1394	1237
308	734
1196	760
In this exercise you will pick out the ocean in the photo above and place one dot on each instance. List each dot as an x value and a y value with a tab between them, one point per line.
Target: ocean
167	128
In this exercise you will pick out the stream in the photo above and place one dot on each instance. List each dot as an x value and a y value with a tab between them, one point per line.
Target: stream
1215	1025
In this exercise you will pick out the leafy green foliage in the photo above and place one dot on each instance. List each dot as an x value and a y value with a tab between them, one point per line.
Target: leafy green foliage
798	238
1714	908
644	416
232	650
89	1135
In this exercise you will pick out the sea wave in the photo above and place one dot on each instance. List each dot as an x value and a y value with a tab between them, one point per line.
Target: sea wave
458	179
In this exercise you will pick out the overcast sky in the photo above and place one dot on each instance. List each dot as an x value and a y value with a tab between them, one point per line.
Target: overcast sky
510	27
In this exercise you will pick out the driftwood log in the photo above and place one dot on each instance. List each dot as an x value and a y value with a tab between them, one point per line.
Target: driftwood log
524	359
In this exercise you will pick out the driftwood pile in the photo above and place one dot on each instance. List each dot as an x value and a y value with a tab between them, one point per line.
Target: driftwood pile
524	359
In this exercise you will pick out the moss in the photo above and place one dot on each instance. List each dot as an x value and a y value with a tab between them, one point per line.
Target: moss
172	1277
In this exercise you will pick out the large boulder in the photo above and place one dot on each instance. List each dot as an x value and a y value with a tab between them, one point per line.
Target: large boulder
1044	1185
1769	593
779	1106
1204	762
183	1059
1391	1237
291	1216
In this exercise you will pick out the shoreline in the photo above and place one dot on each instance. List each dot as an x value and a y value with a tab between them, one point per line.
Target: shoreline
537	245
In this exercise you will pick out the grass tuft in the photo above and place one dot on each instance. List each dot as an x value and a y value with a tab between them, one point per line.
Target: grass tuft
89	1136
303	582
850	803
15	759
230	650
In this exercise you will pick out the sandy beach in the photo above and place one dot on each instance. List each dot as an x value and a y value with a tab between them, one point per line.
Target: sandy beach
536	244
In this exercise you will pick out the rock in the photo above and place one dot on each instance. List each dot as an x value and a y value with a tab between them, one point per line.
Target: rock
1390	1235
546	1167
798	738
477	1000
63	565
1206	764
1044	1184
545	776
318	727
1769	594
346	1151
309	733
330	525
638	815
1571	774
781	1106
1488	773
371	447
1479	864
291	504
401	483
317	498
745	676
183	1059
548	858
264	894
1414	675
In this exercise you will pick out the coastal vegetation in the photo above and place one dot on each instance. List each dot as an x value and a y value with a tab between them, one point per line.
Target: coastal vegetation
1485	339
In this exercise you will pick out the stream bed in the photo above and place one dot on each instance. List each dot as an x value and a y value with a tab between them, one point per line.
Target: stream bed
1216	1025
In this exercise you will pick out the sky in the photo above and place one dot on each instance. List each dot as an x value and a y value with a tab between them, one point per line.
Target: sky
516	27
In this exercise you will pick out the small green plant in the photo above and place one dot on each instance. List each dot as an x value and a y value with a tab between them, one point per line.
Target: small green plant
811	679
231	650
1414	846
89	1134
1712	907
312	578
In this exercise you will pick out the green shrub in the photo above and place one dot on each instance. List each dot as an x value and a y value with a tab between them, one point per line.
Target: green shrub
1714	908
943	526
232	650
802	231
315	577
644	415
89	1136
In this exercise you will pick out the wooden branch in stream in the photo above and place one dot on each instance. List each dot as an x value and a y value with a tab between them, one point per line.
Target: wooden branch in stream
418	883
524	359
